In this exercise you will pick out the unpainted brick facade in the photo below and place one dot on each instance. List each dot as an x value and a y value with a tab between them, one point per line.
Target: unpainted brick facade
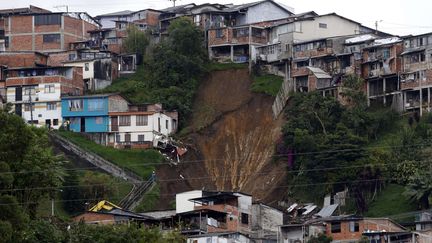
24	35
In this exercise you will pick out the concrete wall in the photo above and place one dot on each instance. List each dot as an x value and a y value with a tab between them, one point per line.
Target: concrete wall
182	200
264	11
336	26
265	220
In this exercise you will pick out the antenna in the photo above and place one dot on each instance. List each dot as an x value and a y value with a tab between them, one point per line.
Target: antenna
62	6
174	2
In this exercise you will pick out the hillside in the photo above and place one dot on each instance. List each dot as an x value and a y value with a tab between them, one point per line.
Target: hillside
231	135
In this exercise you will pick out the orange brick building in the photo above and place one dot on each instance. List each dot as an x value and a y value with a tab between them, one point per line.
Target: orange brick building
42	30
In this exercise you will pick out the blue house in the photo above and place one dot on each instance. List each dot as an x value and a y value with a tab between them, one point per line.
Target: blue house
89	113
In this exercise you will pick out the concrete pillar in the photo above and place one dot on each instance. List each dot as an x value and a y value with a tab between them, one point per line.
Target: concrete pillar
404	100
368	93
384	91
232	53
421	102
428	101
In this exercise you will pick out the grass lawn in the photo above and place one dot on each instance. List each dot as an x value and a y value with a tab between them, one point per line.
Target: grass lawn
217	66
268	84
141	162
391	201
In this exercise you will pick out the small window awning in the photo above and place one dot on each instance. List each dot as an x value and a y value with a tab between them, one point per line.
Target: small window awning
301	59
412	51
319	73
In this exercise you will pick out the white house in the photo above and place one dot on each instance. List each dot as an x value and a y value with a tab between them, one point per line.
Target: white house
139	126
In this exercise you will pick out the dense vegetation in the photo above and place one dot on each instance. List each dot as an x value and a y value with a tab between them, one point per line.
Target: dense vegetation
30	173
337	147
170	73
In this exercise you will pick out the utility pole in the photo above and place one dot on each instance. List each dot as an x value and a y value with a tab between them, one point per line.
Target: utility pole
31	107
376	26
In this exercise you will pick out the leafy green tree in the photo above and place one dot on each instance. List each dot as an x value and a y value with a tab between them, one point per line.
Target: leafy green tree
321	238
136	41
419	188
95	187
6	232
71	193
42	231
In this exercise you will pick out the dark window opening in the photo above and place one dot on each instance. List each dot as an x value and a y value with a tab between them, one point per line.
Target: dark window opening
354	226
244	218
336	227
53	19
51	38
323	25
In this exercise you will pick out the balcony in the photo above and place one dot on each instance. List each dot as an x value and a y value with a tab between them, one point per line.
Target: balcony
237	36
273	53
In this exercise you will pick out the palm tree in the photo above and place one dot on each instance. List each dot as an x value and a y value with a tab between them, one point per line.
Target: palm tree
419	188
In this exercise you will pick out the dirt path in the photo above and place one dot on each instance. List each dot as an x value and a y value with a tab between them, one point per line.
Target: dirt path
233	134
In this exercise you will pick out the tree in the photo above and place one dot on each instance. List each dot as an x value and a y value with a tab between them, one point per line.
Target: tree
95	186
321	238
419	188
72	193
136	41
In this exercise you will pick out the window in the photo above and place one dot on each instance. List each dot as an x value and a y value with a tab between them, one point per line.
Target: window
141	120
141	138
51	38
75	105
166	124
386	53
244	218
219	33
29	90
95	105
72	57
127	137
49	88
241	32
99	120
117	138
27	107
48	19
354	226
422	57
51	106
124	120
86	66
336	227
323	25
55	122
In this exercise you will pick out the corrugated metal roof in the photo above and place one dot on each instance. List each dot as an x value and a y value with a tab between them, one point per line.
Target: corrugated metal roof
327	211
319	73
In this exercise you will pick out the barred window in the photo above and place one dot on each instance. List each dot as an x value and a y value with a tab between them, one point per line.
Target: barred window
48	19
51	106
51	38
124	120
49	88
141	138
141	120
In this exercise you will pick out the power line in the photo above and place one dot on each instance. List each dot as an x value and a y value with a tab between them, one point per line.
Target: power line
215	177
224	159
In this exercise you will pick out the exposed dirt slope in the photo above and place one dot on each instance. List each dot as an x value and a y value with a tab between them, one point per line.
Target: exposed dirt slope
232	135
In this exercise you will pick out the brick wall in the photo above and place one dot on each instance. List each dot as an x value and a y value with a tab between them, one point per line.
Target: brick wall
152	18
366	224
302	71
21	24
13	60
416	83
57	58
95	217
20	43
312	84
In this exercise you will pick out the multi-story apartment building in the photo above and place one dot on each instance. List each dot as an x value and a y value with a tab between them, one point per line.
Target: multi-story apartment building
35	92
416	77
381	68
44	31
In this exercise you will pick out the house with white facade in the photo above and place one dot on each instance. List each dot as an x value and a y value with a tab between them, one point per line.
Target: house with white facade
35	93
140	126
